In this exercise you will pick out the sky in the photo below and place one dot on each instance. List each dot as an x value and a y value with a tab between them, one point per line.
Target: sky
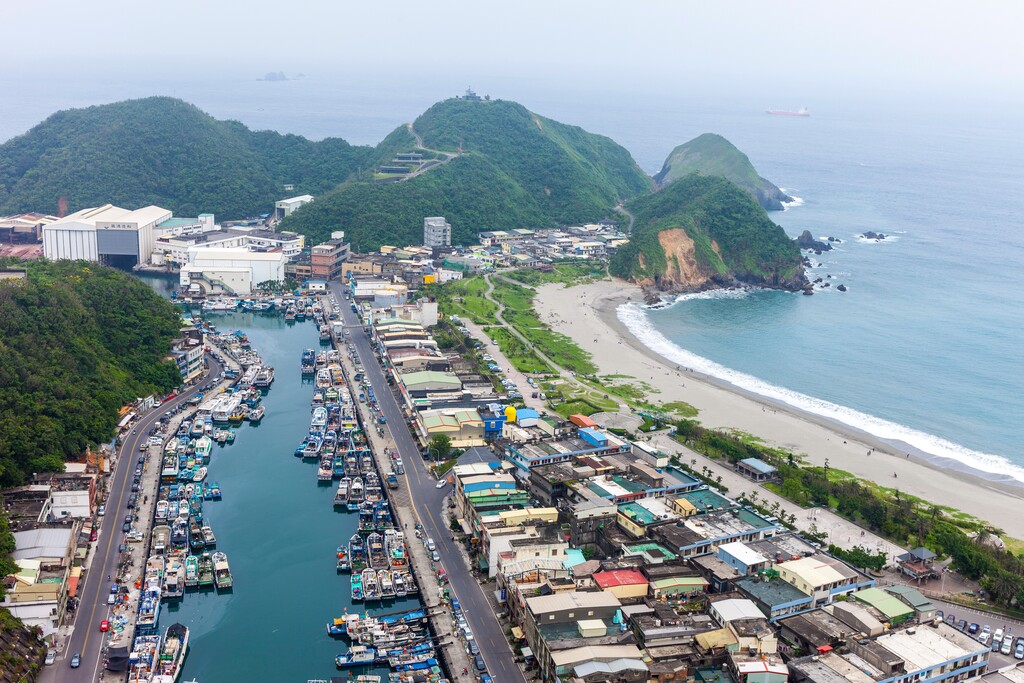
888	47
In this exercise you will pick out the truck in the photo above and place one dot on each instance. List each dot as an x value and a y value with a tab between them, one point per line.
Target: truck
392	480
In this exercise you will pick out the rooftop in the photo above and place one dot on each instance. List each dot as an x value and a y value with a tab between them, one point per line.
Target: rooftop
619	577
575	600
773	592
889	605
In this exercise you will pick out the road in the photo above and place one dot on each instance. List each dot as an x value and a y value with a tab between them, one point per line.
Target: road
427	501
92	608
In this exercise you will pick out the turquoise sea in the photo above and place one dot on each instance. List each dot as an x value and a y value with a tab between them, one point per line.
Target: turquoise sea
925	346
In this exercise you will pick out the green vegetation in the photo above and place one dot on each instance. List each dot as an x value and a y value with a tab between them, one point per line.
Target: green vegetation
515	169
465	298
713	155
678	409
904	519
517	353
568	273
163	151
733	236
79	341
440	447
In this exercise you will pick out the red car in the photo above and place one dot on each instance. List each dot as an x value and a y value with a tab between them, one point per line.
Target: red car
104	626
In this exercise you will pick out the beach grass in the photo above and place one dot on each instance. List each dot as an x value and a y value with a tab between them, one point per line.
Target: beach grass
569	274
521	356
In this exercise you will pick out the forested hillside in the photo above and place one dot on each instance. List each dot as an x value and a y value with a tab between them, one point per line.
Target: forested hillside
163	151
703	231
516	169
77	341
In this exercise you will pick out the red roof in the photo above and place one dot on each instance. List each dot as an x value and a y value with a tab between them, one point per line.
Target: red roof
619	577
582	420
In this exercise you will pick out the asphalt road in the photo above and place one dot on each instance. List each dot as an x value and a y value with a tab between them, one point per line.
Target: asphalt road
427	500
92	608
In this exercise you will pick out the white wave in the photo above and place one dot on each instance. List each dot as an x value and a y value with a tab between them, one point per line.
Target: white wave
737	293
634	317
889	237
796	201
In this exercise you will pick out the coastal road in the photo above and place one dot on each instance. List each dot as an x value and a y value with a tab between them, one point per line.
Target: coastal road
92	608
427	500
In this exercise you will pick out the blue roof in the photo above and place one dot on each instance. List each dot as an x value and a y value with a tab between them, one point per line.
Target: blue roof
573	557
526	413
758	465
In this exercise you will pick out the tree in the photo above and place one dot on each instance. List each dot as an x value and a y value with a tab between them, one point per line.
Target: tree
440	446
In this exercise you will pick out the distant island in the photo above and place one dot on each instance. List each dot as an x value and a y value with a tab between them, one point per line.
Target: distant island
273	76
484	164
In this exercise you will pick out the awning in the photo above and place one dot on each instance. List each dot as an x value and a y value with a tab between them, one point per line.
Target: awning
483	563
527	653
76	573
517	632
466	528
125	420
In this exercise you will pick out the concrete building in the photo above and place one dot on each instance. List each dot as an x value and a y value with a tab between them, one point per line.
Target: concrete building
437	233
326	259
285	207
24	227
107	234
230	270
188	353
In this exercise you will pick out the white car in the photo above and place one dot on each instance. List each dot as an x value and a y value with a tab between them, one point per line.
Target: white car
441	483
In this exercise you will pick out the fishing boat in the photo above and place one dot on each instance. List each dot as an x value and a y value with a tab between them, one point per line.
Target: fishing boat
144	657
356	554
394	543
221	571
174	578
161	509
375	550
370	589
355	494
208	536
172	654
366	512
318	422
341	495
417	662
191	571
357	587
386	585
256	414
325	472
342	564
314	442
200	474
398	580
264	378
204	446
289	315
357	655
212	491
195	535
206	577
308	361
197	429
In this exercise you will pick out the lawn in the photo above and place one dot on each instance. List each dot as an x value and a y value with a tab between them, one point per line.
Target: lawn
524	359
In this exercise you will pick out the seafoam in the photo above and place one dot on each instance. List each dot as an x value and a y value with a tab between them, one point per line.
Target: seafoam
634	317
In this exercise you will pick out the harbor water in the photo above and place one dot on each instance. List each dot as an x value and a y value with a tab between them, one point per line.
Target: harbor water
280	533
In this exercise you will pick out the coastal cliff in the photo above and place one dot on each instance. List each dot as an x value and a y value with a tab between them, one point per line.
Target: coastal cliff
711	154
704	232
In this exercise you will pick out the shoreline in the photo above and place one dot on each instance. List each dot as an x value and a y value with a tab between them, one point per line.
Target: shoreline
589	316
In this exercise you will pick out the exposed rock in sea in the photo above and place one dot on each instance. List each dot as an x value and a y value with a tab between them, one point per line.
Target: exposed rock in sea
871	235
806	241
841	288
835	239
808	292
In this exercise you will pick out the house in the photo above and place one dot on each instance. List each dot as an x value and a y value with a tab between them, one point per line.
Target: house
628	585
755	469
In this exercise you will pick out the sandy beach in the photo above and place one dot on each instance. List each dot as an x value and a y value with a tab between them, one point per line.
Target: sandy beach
587	313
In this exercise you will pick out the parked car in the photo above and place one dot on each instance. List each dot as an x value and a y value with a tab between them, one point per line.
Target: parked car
950	619
76	661
441	483
973	628
961	625
102	510
93	535
104	626
126	527
431	546
114	588
51	657
435	556
997	637
474	649
478	662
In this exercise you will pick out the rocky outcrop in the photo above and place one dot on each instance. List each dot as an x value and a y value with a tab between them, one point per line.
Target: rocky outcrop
806	241
876	236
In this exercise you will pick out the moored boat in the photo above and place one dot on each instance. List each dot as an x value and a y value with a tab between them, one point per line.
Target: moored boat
172	654
221	571
191	571
357	655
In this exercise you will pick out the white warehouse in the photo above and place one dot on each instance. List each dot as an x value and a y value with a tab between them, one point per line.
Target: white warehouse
229	270
107	233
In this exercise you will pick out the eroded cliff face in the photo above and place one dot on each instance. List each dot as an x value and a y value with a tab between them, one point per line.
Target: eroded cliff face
682	271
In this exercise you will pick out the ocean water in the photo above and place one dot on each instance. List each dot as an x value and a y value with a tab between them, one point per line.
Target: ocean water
925	346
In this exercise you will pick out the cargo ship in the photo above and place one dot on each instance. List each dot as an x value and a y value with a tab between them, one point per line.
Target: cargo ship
802	111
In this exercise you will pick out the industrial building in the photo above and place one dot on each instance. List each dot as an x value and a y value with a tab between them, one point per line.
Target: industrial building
230	270
106	234
287	206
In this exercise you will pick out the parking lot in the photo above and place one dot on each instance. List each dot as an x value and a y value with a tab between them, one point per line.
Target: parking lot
518	386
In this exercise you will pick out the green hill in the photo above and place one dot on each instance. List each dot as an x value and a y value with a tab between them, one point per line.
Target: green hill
700	232
164	151
516	169
711	154
79	341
